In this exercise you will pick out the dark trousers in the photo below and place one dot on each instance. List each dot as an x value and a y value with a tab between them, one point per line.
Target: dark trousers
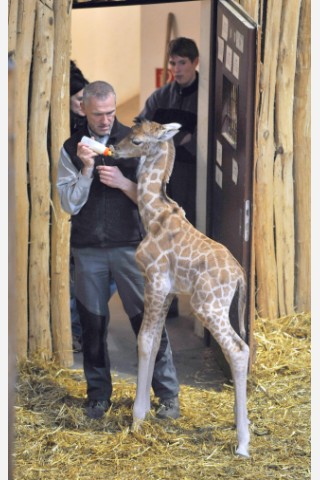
92	273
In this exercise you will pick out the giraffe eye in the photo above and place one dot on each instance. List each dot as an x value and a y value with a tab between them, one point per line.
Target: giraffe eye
136	142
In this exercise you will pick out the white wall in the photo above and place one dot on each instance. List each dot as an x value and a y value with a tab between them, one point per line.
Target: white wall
106	46
124	45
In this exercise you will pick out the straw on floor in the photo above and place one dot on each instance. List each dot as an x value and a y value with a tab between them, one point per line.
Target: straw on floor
54	440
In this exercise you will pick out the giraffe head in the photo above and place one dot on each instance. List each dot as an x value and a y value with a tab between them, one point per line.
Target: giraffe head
143	138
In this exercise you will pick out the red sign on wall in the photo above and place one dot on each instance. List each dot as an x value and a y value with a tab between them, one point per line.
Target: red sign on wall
159	71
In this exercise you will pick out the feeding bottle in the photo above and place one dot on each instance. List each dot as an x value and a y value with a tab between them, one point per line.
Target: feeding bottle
96	146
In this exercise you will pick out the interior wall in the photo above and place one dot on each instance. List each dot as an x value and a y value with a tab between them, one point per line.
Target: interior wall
106	46
125	45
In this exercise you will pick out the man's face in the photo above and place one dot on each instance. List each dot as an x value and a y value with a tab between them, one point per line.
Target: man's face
100	114
183	69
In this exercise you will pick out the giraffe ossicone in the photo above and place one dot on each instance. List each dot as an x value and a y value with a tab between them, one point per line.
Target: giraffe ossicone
174	258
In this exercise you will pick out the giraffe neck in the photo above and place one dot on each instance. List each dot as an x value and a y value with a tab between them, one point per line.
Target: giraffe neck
154	174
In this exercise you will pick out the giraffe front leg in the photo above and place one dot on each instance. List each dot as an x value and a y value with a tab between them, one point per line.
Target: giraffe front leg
155	308
148	346
141	404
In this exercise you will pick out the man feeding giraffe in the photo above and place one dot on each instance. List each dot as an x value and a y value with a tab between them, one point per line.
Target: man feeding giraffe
174	258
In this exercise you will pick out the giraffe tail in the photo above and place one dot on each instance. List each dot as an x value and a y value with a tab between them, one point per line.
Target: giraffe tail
242	286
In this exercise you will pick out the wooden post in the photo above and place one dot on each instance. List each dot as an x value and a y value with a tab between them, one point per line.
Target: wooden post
12	26
283	166
252	286
251	7
302	162
22	56
39	298
60	230
267	298
12	292
170	20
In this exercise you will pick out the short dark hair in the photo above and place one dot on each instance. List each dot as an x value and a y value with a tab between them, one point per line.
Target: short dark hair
183	47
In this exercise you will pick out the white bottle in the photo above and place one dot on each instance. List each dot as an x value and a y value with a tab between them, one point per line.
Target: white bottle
96	146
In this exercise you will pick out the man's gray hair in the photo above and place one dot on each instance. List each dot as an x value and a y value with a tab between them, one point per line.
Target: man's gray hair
98	89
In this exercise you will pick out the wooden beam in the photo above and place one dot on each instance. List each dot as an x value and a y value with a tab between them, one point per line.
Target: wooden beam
283	166
23	57
39	275
302	162
60	229
267	292
12	285
12	27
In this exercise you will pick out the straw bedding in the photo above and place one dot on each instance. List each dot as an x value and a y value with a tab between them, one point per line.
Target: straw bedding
54	439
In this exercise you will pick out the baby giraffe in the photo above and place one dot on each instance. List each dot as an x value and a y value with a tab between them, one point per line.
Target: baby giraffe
176	258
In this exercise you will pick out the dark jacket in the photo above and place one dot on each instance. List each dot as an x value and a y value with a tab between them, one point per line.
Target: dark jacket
171	103
77	122
109	218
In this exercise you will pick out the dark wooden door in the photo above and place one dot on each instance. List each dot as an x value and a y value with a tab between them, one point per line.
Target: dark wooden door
232	143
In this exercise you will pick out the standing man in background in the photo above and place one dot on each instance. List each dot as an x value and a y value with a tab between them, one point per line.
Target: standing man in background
178	102
77	121
77	84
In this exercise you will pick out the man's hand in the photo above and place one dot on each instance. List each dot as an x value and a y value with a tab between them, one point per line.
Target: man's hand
86	156
113	177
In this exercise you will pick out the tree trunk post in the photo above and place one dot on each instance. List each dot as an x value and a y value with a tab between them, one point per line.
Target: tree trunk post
39	276
60	230
23	58
302	162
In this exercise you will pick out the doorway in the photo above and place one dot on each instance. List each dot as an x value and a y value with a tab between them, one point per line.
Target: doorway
138	58
146	59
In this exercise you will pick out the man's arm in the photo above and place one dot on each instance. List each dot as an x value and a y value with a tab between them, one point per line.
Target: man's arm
73	186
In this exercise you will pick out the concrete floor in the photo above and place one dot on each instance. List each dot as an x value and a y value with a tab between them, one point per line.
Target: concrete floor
195	362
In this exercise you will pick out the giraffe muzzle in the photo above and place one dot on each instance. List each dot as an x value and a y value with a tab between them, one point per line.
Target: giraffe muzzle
113	152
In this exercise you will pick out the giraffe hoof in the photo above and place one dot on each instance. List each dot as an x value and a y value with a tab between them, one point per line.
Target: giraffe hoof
136	425
242	452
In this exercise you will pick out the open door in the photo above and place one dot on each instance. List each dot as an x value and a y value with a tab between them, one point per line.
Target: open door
230	189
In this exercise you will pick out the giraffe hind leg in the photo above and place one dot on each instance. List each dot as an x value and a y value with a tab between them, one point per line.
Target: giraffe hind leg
236	352
237	355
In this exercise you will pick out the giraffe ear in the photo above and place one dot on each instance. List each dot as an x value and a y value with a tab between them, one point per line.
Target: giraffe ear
172	126
169	130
